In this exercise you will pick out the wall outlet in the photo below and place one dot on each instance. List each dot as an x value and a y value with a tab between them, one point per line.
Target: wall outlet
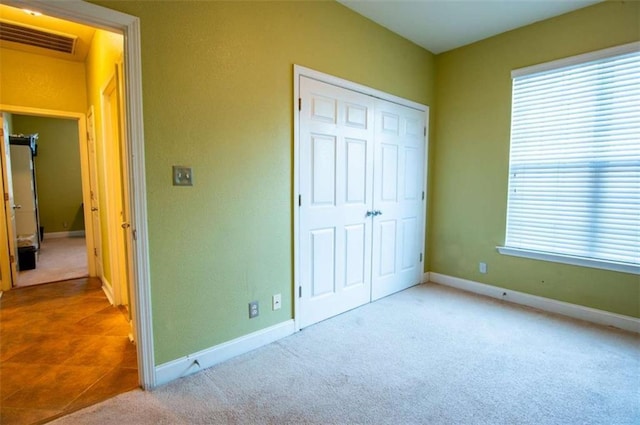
483	267
277	302
254	309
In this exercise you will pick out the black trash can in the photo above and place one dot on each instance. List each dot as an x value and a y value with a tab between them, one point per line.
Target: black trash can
27	257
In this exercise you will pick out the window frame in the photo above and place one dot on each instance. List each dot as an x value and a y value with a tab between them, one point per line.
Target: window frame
556	257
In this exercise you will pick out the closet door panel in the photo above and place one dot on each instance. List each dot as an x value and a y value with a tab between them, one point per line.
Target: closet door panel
336	169
399	162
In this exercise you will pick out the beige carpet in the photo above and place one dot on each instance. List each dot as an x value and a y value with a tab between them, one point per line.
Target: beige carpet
428	355
58	259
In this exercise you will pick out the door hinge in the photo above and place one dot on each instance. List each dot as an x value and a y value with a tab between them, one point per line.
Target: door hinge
299	200
299	104
299	291
420	257
423	195
134	234
425	131
95	251
12	259
6	196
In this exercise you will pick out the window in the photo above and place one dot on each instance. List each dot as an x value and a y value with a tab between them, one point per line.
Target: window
574	169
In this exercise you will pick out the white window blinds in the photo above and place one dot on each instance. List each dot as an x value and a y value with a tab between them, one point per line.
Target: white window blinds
574	175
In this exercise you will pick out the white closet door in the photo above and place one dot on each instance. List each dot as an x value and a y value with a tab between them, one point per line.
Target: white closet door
398	233
336	180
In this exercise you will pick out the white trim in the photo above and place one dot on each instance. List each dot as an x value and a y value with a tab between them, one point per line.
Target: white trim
299	71
426	277
567	259
107	289
588	314
60	235
91	14
578	59
208	357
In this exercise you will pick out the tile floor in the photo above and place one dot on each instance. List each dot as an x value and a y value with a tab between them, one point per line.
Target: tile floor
62	347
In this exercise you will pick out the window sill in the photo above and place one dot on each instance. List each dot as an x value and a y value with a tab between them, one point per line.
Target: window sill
567	259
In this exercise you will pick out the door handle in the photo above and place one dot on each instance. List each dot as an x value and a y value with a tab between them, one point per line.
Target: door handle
369	214
377	212
17	207
94	209
125	225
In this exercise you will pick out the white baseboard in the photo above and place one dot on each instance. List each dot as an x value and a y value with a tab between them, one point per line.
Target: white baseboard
426	277
593	315
70	234
208	357
107	289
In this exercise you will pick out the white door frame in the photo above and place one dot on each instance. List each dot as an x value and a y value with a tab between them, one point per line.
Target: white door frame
129	26
299	71
8	253
96	231
82	140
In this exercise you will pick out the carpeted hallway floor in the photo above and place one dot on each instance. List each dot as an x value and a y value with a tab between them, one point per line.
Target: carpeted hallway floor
58	259
427	355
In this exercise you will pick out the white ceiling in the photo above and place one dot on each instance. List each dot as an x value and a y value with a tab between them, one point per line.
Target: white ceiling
441	25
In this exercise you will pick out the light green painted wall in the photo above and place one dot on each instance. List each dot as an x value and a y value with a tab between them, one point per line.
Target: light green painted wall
58	177
218	87
472	157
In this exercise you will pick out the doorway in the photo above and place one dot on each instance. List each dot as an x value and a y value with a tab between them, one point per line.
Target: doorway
129	26
51	234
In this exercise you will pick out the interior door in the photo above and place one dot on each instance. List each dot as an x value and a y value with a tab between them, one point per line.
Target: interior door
9	205
118	221
95	198
336	169
398	198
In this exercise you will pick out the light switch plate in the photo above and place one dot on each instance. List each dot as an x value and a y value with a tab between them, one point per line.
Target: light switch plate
182	176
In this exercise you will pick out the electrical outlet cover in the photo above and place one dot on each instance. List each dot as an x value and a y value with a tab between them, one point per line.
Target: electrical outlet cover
277	302
254	309
182	176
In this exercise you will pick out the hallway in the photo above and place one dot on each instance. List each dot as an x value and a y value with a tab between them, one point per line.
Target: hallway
62	347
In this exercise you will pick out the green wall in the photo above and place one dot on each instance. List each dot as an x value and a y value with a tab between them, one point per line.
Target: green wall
58	177
217	91
469	177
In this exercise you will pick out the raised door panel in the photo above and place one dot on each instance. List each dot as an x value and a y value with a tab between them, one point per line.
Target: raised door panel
336	138
399	161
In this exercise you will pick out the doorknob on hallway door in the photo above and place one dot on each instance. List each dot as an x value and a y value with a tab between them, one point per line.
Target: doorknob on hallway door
125	225
94	209
17	207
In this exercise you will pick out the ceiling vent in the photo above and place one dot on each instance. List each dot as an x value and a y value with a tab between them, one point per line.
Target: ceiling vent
37	37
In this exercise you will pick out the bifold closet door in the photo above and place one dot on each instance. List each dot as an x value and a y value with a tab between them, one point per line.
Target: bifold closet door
362	209
398	198
336	186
